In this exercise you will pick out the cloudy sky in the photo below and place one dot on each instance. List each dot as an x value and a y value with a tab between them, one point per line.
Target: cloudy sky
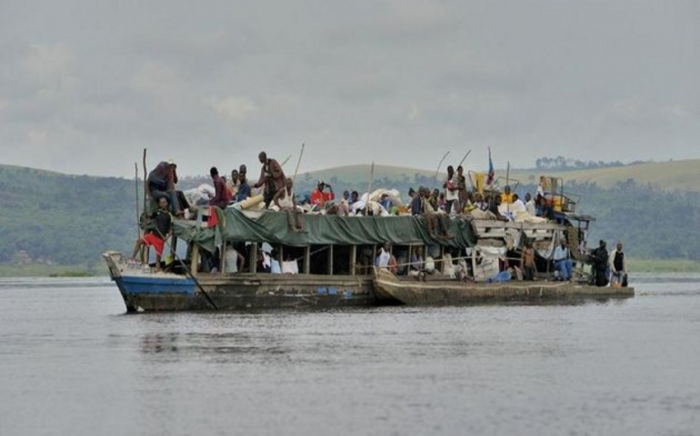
85	85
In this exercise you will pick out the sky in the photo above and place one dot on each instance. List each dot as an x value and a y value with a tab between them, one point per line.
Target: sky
86	85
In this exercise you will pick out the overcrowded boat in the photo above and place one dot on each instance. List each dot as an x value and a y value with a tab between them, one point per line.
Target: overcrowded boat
246	256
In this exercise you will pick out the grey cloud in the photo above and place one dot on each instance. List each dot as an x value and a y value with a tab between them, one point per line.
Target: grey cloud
394	81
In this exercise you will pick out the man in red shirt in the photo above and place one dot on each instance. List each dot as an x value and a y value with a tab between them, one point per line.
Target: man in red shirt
221	198
319	198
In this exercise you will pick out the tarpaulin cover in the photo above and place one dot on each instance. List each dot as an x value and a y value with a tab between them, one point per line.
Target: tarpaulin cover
272	227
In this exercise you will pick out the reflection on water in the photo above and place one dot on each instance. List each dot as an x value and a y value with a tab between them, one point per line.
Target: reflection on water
75	364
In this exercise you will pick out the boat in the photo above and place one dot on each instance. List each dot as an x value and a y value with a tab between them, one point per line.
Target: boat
335	254
331	264
445	291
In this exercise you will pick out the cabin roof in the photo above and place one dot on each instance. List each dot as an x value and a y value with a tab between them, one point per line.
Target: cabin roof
271	227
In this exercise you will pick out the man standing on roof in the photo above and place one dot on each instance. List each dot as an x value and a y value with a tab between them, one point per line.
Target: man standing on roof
451	189
161	183
318	197
221	198
617	265
271	177
160	224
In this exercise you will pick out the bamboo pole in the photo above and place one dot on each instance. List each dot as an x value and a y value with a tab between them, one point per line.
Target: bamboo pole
369	187
136	189
507	181
464	158
438	167
296	170
145	183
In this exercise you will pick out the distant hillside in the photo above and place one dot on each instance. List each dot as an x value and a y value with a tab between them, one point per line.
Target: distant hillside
683	175
48	217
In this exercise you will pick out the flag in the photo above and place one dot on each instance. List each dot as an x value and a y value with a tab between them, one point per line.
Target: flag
492	172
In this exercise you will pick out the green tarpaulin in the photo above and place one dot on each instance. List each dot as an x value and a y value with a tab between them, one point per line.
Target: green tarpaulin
272	227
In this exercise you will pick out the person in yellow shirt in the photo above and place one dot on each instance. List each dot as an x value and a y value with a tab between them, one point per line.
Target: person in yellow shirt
506	197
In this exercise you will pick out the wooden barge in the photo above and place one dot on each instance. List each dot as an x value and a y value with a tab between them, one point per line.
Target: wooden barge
335	260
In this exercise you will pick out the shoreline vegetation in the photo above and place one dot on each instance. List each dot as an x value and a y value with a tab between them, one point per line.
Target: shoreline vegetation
39	270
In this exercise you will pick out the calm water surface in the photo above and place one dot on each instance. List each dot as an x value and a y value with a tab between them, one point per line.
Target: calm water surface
72	363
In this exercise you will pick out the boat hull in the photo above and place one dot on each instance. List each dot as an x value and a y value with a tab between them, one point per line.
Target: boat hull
143	290
450	292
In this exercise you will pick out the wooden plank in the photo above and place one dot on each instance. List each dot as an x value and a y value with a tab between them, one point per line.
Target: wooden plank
330	260
194	261
353	260
307	260
253	266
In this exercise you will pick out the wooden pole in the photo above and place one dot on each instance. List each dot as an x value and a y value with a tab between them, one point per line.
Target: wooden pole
507	181
145	183
296	170
136	189
353	259
253	267
438	167
330	260
307	259
369	187
286	160
464	158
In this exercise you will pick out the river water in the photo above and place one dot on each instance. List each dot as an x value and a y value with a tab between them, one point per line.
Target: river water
72	363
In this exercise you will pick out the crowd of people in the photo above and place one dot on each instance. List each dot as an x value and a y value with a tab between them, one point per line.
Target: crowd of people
437	206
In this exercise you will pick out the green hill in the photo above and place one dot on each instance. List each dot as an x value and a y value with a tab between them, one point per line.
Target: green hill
51	218
683	175
680	175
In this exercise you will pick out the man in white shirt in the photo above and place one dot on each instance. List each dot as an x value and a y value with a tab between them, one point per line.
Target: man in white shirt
382	261
562	261
530	205
617	265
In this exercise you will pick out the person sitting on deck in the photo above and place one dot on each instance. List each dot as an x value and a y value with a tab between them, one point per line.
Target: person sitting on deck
161	183
562	261
494	208
479	202
319	197
416	205
618	266
501	277
528	262
507	196
435	219
434	199
416	263
271	177
285	201
221	198
162	224
243	187
530	205
385	202
233	184
341	208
